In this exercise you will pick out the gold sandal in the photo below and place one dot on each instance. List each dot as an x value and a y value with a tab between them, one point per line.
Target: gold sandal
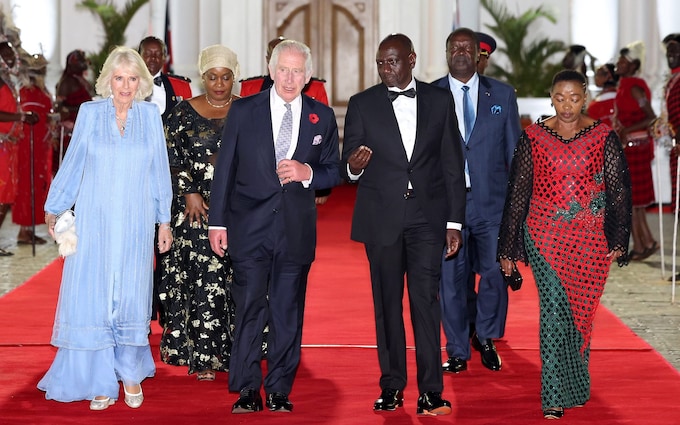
206	375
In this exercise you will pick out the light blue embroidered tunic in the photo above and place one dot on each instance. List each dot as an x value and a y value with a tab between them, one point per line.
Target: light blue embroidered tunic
120	186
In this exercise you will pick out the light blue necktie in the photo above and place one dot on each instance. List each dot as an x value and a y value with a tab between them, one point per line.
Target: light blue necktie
285	134
469	122
468	113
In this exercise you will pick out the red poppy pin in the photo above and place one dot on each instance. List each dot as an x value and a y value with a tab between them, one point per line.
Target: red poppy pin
313	118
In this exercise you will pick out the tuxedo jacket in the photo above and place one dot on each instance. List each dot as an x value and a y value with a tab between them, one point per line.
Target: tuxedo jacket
492	144
246	195
176	89
435	170
314	89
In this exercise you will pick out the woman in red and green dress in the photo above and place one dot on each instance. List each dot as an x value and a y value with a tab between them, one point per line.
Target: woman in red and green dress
568	214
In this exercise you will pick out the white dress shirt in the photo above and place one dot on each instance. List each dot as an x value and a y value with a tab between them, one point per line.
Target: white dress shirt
158	95
278	108
406	111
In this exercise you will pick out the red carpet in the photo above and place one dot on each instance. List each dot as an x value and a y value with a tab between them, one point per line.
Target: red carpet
338	377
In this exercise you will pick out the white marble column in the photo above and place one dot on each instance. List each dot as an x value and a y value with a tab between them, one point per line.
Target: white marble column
156	25
638	21
593	24
39	32
437	23
185	26
469	13
241	30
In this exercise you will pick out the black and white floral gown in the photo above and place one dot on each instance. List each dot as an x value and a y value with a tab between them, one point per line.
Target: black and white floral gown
196	283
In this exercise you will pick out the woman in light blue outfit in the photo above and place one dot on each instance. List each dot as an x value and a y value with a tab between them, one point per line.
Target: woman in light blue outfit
116	173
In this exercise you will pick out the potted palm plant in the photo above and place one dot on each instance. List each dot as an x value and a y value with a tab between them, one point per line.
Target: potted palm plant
531	62
531	69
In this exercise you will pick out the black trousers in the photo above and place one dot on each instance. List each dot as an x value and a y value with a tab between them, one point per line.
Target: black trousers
416	254
267	290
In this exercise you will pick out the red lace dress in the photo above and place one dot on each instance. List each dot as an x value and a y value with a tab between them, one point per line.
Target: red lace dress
568	205
639	148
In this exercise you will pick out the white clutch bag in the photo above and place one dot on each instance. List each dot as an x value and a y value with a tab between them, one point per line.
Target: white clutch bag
65	233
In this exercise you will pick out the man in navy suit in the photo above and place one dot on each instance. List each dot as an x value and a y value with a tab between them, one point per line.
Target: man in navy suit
489	133
402	146
267	207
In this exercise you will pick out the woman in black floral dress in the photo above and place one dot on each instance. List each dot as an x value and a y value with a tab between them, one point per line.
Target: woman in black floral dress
196	283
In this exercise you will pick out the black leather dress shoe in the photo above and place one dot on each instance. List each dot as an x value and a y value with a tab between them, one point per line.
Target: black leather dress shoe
454	365
278	402
431	404
249	401
490	358
389	399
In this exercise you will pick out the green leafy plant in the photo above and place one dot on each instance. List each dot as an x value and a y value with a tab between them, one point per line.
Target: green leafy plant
531	70
114	23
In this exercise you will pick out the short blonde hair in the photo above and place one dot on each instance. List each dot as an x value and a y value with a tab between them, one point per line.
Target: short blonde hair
127	58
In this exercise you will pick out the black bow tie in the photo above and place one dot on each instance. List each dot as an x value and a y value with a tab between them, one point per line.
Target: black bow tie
395	94
157	81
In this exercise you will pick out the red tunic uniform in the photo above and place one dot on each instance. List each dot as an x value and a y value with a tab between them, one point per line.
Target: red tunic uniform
673	110
314	89
639	148
602	107
181	86
33	99
9	134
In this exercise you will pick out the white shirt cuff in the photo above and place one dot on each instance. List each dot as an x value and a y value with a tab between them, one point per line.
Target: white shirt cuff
306	183
353	177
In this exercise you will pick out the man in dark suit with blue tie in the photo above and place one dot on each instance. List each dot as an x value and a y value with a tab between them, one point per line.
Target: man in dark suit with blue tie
490	127
402	146
278	147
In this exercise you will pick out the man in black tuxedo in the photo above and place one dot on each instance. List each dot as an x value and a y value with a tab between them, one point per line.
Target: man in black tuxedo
267	206
402	147
168	89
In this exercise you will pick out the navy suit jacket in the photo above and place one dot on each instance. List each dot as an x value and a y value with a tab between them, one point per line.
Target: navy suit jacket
435	169
492	144
246	195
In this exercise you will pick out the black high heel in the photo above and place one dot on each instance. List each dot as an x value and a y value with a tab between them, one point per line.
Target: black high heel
553	413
